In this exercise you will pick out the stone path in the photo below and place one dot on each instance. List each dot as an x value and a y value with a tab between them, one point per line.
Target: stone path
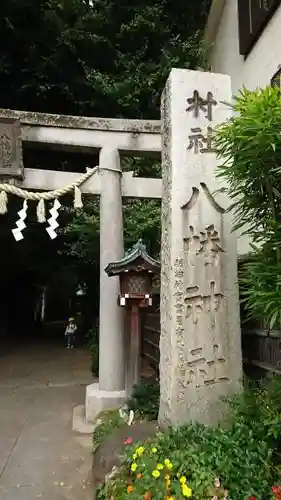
40	455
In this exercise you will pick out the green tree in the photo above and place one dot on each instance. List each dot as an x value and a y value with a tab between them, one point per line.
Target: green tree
45	45
103	58
99	57
140	43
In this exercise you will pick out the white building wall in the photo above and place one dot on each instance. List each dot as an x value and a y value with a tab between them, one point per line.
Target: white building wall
262	62
254	71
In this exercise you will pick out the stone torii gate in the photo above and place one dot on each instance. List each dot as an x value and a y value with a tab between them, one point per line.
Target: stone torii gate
110	138
200	347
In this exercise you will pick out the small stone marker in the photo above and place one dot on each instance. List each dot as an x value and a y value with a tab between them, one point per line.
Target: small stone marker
200	326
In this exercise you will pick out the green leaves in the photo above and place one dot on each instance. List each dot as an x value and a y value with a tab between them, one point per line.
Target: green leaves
145	41
145	400
248	442
250	146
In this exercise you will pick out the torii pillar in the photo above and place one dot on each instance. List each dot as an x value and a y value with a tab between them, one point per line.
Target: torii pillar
110	392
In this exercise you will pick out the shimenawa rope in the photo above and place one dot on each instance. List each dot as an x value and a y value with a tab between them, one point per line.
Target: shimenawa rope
41	197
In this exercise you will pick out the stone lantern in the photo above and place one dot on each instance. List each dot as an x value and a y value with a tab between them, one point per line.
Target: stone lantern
136	271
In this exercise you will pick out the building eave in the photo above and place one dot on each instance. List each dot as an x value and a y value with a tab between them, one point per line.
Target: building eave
213	22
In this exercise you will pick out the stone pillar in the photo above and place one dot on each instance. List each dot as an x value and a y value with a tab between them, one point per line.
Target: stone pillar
111	361
110	392
200	341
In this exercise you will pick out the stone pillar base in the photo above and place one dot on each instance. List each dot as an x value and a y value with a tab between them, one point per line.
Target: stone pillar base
98	401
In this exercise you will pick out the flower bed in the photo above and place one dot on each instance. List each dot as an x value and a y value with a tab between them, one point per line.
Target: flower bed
239	461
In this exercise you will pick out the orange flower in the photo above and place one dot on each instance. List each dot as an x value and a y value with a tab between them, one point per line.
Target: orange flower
139	476
147	495
130	488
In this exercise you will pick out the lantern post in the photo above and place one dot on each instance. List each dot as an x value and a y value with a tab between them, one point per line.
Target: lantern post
136	271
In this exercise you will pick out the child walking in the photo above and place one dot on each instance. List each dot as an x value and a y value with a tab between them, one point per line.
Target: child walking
70	333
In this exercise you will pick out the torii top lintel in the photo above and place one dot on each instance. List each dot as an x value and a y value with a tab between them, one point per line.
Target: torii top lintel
88	133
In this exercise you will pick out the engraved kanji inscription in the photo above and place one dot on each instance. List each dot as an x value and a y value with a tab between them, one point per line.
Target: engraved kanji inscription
194	304
200	143
179	320
179	262
179	308
179	273
197	303
210	246
5	148
198	103
10	148
206	244
205	369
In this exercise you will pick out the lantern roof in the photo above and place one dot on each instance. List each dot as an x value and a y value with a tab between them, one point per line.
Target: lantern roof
135	259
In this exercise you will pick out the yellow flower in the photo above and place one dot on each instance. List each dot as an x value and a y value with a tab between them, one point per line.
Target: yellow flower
130	488
160	466
183	480
154	450
139	451
168	483
169	498
186	491
155	473
135	456
168	463
134	467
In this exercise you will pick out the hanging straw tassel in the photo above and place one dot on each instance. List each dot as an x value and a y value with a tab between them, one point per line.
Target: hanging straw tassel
3	202
78	203
41	217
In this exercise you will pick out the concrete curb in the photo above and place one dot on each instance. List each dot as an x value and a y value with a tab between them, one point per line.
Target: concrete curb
79	423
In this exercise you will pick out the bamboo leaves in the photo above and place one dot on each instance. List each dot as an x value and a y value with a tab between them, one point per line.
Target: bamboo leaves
249	145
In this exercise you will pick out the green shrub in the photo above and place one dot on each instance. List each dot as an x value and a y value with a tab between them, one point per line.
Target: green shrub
250	146
240	458
101	493
145	400
109	421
